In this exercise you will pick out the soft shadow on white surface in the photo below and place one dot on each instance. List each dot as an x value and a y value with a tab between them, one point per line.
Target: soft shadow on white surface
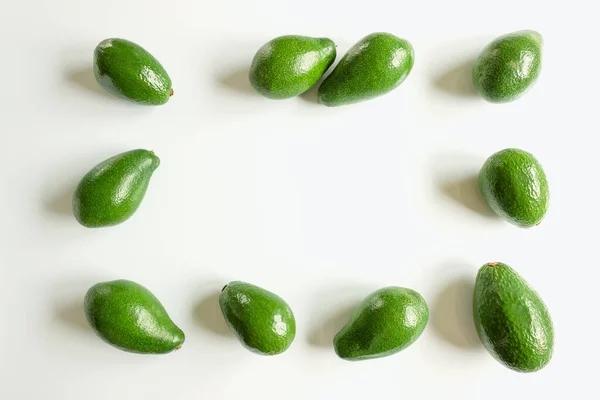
457	80
465	191
237	80
207	314
83	78
452	314
71	314
323	336
61	203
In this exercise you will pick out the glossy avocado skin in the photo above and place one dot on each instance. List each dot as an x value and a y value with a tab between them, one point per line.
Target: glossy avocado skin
386	322
126	70
508	66
290	65
261	320
511	319
129	317
514	184
372	67
114	189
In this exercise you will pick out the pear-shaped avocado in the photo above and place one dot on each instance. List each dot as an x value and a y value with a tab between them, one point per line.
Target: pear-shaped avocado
114	189
508	66
129	317
126	70
386	322
511	319
514	184
290	65
372	67
261	320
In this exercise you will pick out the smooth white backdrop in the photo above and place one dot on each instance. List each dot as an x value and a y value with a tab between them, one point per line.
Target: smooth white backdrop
319	205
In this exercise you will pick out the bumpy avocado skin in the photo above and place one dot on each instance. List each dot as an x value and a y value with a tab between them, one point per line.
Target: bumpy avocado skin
126	70
128	316
508	66
262	321
511	319
374	66
514	184
114	189
386	322
290	65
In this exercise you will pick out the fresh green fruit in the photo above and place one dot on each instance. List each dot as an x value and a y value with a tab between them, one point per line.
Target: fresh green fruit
511	319
129	317
127	70
514	184
261	320
290	65
371	68
114	189
508	66
386	322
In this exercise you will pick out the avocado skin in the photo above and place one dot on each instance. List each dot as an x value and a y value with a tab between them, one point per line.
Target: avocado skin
261	320
129	317
288	66
508	66
374	66
514	184
128	71
511	319
386	322
113	190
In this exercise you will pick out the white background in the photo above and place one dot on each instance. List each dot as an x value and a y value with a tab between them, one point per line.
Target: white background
320	205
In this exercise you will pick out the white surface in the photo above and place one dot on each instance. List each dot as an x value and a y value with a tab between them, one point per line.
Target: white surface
319	205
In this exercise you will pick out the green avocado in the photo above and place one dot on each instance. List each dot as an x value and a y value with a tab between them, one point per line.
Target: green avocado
511	319
514	184
126	70
129	317
386	322
290	65
114	189
372	67
261	320
508	66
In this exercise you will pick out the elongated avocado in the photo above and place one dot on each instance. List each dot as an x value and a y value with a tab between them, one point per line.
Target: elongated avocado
511	319
126	70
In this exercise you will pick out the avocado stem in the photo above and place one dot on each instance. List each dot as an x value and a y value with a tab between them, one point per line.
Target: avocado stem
178	347
172	92
224	287
493	264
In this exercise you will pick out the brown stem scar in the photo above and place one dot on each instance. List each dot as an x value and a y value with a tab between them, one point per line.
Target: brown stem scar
493	264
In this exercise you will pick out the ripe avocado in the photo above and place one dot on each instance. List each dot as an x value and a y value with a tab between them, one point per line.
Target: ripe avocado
126	70
511	319
386	322
261	320
129	317
514	184
114	189
508	66
374	66
290	65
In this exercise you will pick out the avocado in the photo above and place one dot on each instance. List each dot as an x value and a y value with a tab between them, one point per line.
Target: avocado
386	322
261	320
508	66
129	317
114	189
290	65
511	319
371	68
126	70
514	184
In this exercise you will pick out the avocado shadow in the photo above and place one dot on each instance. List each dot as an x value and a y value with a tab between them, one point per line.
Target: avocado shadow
323	336
238	81
452	315
61	203
465	191
458	80
207	314
83	78
72	315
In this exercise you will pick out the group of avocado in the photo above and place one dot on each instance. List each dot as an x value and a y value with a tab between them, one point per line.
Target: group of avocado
511	319
290	65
